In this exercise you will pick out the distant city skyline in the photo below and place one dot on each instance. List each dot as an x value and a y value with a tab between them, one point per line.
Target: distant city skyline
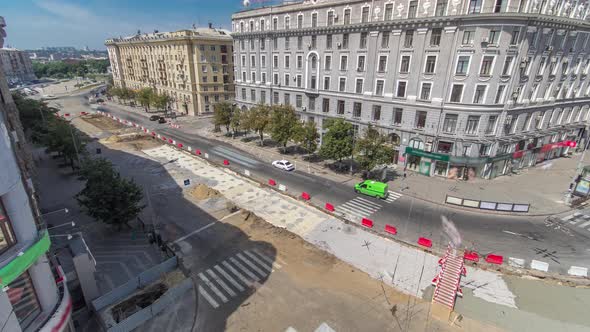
33	24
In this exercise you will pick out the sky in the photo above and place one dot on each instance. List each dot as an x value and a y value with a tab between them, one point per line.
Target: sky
32	24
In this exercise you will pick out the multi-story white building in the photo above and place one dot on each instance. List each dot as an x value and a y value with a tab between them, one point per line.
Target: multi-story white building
464	88
193	67
33	294
16	65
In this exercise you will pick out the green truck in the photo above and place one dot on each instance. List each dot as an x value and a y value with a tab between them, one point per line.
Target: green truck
372	188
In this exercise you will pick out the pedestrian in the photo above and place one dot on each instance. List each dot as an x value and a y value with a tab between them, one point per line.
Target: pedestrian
405	174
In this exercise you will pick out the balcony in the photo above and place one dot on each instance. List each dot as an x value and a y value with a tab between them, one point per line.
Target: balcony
19	258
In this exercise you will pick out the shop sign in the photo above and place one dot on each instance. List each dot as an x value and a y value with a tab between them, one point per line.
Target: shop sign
421	153
467	161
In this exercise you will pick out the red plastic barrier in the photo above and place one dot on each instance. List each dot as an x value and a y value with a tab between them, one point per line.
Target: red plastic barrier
329	207
164	138
180	145
83	113
425	242
153	133
471	256
272	182
226	162
390	229
67	114
198	152
367	223
170	140
305	196
495	259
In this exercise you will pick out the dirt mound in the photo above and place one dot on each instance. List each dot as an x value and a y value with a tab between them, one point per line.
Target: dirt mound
202	191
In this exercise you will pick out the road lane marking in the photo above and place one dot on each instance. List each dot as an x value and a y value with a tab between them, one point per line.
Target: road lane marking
368	202
229	278
221	283
252	265
213	288
584	224
257	260
208	297
194	232
267	259
237	274
244	269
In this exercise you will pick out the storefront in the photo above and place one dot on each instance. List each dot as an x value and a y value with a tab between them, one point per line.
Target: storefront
500	165
466	168
424	162
555	150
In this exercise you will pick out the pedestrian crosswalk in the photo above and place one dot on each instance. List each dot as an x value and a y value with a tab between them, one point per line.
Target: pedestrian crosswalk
324	327
393	196
234	275
579	220
363	207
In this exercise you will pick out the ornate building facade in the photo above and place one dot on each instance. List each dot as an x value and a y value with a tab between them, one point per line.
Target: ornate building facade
16	65
464	88
193	67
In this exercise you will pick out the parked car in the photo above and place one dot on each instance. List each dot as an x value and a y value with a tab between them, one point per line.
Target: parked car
154	118
283	164
372	188
161	120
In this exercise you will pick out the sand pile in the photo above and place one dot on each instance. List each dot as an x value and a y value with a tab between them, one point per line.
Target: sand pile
202	191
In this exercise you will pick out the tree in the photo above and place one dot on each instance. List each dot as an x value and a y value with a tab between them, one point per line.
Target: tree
222	115
283	124
34	115
258	119
145	97
307	136
337	141
161	101
372	149
107	196
64	140
236	121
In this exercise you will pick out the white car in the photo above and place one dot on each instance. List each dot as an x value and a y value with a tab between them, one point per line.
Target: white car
283	164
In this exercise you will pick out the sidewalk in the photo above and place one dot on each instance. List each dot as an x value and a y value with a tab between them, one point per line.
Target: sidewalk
541	187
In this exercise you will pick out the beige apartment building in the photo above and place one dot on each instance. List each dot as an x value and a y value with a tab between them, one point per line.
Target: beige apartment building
194	67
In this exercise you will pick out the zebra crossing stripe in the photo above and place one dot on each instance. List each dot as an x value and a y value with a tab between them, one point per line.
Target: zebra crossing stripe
566	218
229	278
368	202
584	224
261	263
221	283
208	297
244	269
267	259
347	211
237	274
213	288
353	205
251	265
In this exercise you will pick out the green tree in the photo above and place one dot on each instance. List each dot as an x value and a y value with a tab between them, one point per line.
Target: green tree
64	140
161	101
337	141
145	97
107	196
34	115
236	121
372	149
284	124
222	115
307	136
258	120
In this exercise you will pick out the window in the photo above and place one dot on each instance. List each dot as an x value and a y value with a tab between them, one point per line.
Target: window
287	98
578	65
507	65
314	62
7	238
347	16
287	61
468	35
498	6
253	95
376	113
456	93
365	14
253	76
345	38
533	92
325	105
263	78
526	123
299	62
359	86
357	109
287	22
22	296
474	6
493	36
564	68
311	104
342	84
314	42
299	43
328	62
401	89
343	62
450	123
287	79
388	15
330	18
314	20
486	65
479	95
405	64
430	64
485	150
409	38
499	99
329	42
253	61
360	63
385	39
263	97
491	127
382	63
363	40
340	108
435	37
412	9
326	83
425	91
420	120
472	125
299	81
515	35
276	79
441	6
397	116
275	23
275	97
379	87
462	65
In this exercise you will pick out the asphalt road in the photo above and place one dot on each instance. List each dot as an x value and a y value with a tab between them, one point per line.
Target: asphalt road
520	237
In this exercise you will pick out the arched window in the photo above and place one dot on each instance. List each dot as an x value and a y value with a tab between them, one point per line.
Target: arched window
416	143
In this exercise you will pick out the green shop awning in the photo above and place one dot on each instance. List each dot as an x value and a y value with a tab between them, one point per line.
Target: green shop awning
468	161
421	153
21	263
